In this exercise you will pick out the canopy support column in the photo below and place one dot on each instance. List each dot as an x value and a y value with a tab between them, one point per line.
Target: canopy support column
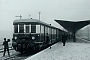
74	37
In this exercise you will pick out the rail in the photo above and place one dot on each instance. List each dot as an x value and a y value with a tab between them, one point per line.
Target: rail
2	49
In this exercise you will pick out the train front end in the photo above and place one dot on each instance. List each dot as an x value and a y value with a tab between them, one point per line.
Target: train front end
26	35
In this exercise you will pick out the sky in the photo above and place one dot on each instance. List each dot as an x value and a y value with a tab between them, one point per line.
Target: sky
50	10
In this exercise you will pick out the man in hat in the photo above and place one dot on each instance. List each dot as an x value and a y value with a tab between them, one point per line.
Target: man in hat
6	47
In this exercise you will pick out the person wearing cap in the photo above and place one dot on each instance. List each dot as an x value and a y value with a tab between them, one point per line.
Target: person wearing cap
6	47
64	38
47	40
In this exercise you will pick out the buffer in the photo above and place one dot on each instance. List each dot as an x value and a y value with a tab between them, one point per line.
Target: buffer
73	26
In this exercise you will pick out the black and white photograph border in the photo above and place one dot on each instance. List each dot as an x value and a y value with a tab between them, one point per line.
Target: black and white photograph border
44	30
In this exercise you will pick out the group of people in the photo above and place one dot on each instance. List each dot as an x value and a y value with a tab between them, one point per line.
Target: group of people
6	47
64	38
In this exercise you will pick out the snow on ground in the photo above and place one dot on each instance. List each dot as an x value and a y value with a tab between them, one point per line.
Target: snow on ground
72	51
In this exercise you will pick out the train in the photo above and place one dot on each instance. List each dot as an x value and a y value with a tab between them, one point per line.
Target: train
31	34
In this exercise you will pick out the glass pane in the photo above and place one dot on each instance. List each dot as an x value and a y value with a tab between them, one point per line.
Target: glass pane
33	28
27	28
15	28
37	28
46	30
21	28
42	29
30	28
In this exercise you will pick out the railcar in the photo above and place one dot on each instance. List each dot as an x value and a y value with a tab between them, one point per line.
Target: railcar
23	28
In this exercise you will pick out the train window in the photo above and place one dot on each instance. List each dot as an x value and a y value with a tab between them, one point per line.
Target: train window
42	29
46	29
52	31
15	28
21	28
30	28
49	30
57	32
33	28
37	28
27	28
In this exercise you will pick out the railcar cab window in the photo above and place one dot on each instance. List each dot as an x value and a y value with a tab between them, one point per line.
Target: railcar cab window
21	28
33	28
42	29
37	28
27	30
15	28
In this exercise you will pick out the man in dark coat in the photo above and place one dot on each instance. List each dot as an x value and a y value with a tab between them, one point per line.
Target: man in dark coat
64	38
6	47
47	40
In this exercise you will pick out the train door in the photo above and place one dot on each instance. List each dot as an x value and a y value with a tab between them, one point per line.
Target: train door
38	33
46	31
56	35
52	35
42	33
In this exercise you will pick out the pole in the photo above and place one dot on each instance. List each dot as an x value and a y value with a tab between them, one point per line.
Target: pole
29	16
39	15
19	16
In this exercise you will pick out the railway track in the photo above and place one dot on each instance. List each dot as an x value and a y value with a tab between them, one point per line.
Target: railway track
16	55
1	50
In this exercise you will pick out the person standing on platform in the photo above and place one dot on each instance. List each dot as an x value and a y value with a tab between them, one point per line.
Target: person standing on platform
6	47
64	38
47	40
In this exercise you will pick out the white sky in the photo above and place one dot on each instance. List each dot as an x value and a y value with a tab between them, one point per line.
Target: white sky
50	10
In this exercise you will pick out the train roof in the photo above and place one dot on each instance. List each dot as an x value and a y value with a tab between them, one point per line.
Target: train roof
31	21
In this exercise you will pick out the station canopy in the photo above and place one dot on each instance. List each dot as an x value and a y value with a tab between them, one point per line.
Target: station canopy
73	26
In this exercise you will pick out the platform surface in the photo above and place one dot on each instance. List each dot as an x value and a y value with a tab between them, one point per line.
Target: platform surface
79	50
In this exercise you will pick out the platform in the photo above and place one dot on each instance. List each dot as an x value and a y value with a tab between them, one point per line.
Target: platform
79	50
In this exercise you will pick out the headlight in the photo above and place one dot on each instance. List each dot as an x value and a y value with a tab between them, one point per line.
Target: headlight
38	35
33	37
15	37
